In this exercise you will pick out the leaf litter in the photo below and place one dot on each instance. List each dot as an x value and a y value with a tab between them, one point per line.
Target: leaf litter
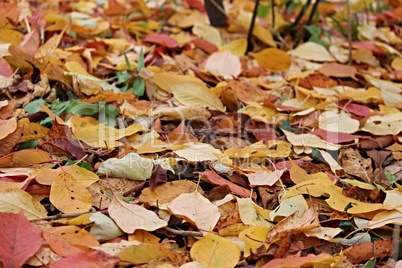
137	134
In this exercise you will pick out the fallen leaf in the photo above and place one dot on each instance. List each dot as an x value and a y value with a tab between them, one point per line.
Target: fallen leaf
224	64
197	209
265	58
131	166
130	217
215	252
312	51
67	195
20	240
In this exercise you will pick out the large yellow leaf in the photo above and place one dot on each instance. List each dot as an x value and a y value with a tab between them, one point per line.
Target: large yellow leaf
215	252
254	238
337	200
147	252
13	200
84	177
188	90
273	59
68	196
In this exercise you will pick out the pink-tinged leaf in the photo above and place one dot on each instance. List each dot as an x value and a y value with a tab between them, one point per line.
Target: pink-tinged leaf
5	69
31	42
335	137
19	239
205	45
196	4
370	46
223	63
338	70
357	109
162	39
92	259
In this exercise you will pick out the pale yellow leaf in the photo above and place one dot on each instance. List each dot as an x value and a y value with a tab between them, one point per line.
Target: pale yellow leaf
309	140
131	166
197	209
223	63
384	125
289	206
325	233
312	51
207	32
390	92
130	217
197	152
188	90
13	200
338	122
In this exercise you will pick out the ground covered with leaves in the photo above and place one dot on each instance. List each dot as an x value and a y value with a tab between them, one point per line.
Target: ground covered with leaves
134	133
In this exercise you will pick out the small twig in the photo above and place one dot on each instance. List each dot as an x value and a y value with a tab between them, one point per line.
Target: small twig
349	33
251	28
183	233
273	14
60	216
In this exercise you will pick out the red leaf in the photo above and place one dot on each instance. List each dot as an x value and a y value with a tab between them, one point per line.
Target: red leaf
94	259
215	179
159	175
370	46
162	39
19	239
196	4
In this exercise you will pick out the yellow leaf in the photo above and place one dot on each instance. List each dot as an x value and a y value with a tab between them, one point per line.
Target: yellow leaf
31	131
337	200
273	59
215	252
95	134
146	252
207	32
259	31
368	96
188	90
238	47
254	238
13	200
10	36
68	196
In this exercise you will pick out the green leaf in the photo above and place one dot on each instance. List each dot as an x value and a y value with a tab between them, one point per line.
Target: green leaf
111	110
33	107
80	164
262	11
123	76
28	145
391	178
345	225
313	30
370	263
127	62
285	125
83	108
139	86
141	60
